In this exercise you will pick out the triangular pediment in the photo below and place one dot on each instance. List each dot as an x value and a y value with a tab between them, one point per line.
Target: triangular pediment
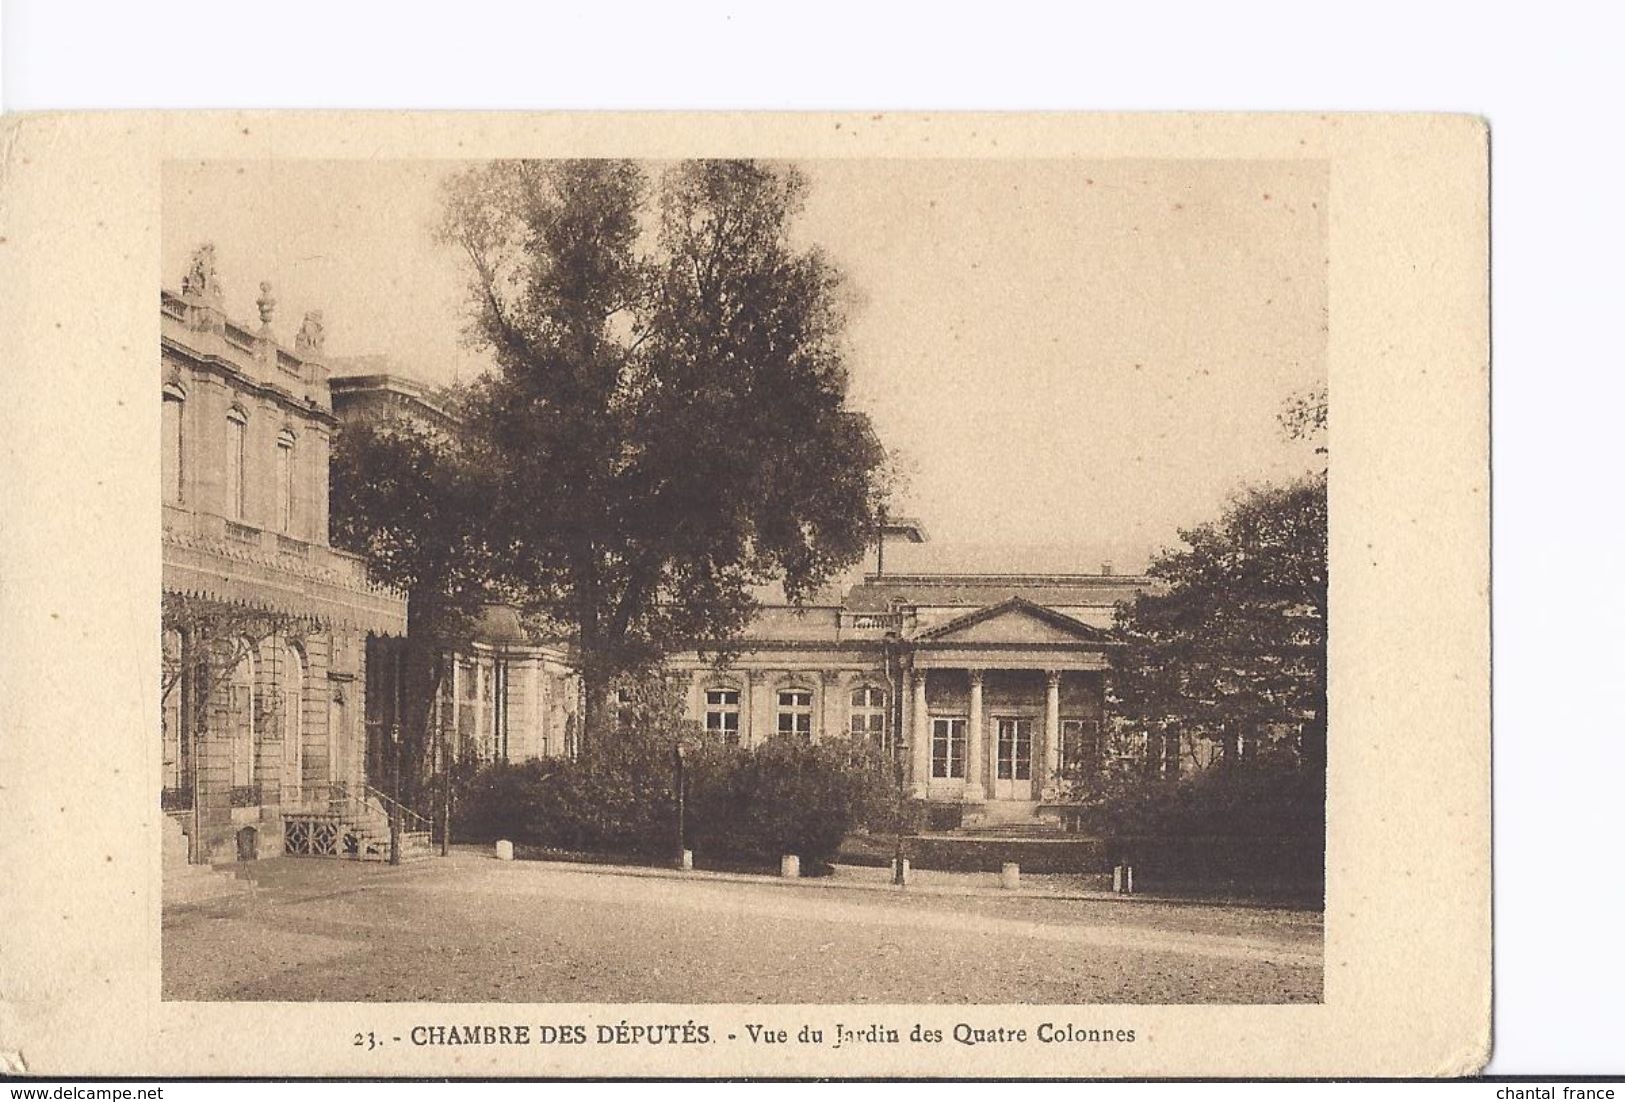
1014	621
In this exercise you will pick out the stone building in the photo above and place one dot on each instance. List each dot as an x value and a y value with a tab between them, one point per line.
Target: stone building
264	625
988	687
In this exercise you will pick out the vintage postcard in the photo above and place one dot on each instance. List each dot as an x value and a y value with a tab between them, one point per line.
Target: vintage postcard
746	595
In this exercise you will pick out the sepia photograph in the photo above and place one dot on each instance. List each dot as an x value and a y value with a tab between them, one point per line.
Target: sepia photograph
744	595
743	581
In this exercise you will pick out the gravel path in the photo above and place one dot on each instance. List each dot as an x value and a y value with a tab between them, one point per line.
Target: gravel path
470	928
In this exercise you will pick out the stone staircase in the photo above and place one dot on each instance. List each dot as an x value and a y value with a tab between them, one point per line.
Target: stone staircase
369	836
184	882
355	827
1008	819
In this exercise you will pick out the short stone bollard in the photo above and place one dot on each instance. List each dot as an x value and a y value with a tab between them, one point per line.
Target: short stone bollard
789	866
1010	875
686	862
504	850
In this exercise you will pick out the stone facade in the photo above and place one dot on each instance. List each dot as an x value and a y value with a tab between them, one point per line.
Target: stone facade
265	625
986	687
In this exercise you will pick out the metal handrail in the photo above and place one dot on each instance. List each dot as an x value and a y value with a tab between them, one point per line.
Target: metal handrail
410	820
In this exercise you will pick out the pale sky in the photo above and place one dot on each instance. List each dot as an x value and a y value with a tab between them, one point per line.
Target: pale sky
1075	359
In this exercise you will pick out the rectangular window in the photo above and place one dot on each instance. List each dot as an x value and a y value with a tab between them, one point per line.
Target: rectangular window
236	454
284	488
722	712
1080	745
868	716
795	713
947	748
487	712
499	709
173	430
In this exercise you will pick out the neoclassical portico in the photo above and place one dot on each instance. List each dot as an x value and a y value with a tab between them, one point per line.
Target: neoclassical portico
995	698
985	695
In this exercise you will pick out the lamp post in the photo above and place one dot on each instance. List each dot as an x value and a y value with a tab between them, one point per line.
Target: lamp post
899	755
395	811
890	647
678	753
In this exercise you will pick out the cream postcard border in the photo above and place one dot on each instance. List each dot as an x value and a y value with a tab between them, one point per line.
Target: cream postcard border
1407	962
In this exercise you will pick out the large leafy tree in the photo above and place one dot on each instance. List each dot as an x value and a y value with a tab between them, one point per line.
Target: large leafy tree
1232	644
666	424
408	496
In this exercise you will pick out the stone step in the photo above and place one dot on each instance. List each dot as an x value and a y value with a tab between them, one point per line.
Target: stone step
1011	830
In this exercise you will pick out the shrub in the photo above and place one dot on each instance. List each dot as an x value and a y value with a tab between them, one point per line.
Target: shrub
784	796
1261	800
492	802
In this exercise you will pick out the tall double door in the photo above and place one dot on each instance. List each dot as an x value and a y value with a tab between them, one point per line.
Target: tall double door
1012	758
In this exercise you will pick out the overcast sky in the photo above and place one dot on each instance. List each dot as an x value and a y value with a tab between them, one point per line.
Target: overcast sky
1076	359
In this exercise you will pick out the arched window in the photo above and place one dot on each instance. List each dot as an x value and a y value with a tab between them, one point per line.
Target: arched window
240	698
869	715
284	482
795	712
236	460
174	443
292	691
722	712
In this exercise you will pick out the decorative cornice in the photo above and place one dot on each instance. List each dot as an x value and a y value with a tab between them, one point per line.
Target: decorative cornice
1078	581
303	568
228	369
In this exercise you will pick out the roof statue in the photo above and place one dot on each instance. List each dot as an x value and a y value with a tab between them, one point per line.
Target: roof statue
267	303
311	336
201	279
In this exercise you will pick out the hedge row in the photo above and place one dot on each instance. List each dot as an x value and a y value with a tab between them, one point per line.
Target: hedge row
754	805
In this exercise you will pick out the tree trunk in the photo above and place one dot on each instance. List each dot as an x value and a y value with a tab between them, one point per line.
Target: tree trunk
595	706
421	677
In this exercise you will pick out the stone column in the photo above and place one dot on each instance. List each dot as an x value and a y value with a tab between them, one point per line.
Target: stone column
975	767
747	708
922	736
1052	730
